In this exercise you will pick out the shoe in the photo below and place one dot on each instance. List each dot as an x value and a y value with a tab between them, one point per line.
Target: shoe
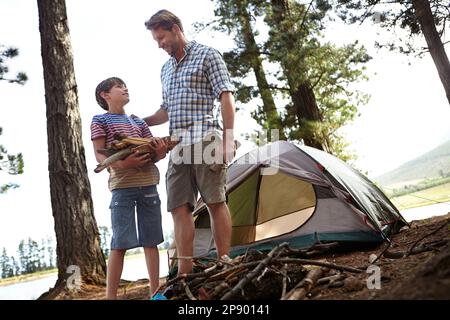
225	262
226	258
158	296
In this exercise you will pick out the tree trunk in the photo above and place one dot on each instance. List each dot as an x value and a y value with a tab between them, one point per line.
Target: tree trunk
272	118
437	51
302	95
305	106
77	235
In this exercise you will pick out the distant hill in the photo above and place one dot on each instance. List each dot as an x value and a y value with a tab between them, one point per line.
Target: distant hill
432	164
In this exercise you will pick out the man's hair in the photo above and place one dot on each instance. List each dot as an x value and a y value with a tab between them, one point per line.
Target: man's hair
163	19
105	86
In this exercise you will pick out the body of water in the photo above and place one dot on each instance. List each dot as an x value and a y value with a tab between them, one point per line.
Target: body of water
134	268
419	213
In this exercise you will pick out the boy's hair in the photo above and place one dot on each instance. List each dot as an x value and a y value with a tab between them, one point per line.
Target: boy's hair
163	19
105	86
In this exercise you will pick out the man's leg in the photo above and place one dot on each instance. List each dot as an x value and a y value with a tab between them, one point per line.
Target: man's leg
221	227
184	237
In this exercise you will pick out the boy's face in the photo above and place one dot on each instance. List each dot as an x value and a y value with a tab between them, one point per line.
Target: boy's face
166	39
117	95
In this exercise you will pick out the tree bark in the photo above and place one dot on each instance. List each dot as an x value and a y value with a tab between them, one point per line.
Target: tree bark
273	120
302	95
437	51
77	235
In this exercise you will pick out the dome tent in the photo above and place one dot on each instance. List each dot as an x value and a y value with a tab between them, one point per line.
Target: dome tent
282	192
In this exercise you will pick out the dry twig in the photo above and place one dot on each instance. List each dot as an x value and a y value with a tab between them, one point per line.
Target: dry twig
261	266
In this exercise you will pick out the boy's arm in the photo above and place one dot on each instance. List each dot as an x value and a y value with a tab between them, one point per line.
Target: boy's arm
99	144
159	117
132	161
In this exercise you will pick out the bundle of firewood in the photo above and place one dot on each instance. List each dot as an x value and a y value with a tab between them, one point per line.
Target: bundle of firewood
283	273
123	146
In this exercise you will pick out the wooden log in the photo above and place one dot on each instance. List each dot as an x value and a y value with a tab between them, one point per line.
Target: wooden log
304	286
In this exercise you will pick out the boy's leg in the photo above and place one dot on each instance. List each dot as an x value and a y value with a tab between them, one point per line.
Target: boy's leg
152	261
184	237
123	236
114	271
150	231
221	227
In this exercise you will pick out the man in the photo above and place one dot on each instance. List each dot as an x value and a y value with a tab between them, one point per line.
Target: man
193	77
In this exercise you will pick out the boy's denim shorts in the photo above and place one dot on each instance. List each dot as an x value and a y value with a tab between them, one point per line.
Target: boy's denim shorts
148	231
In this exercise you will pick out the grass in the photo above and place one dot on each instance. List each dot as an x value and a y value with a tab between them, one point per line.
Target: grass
440	193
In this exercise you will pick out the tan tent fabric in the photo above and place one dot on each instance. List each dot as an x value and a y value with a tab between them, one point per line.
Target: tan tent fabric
282	225
281	194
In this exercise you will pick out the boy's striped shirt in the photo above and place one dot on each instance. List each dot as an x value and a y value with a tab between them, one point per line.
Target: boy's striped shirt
108	124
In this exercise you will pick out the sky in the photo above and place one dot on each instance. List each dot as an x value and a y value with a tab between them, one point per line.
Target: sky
407	115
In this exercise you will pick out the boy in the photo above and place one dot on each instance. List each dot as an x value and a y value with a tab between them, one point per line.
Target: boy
132	182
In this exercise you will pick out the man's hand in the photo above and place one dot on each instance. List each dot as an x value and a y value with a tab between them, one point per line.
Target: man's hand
160	147
229	148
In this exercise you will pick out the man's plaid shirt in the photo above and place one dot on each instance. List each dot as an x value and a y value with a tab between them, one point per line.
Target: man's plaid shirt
189	90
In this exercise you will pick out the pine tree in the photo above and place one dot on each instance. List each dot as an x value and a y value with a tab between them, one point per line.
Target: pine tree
105	239
77	235
427	17
42	255
50	253
15	266
5	265
22	251
13	164
310	80
33	262
5	54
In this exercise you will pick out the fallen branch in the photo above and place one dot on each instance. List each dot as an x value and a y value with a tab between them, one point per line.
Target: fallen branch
274	253
403	254
285	279
427	235
187	290
381	253
320	264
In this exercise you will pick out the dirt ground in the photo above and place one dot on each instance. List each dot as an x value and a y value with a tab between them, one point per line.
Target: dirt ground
424	275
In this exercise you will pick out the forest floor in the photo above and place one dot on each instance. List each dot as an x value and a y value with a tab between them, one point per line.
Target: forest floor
424	275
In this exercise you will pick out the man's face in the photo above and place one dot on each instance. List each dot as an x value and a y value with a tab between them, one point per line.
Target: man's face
166	39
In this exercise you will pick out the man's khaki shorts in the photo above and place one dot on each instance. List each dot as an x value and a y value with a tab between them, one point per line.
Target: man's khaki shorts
184	179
